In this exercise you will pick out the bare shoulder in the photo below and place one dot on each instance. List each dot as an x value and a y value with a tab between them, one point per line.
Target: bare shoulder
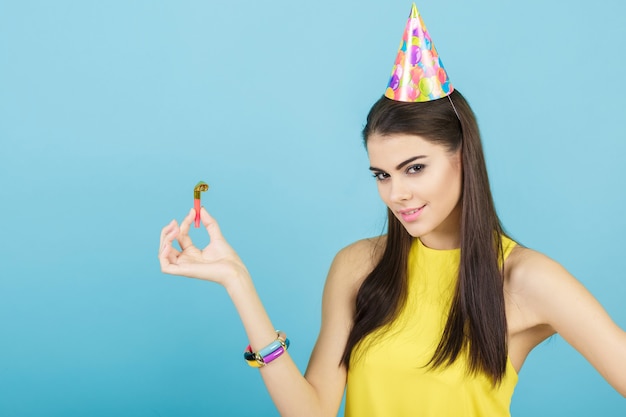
530	272
540	285
527	276
545	290
545	294
354	262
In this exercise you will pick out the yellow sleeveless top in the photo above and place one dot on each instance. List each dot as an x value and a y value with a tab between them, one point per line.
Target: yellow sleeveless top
388	376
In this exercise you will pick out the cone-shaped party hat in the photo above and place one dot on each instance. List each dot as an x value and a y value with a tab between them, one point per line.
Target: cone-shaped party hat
418	74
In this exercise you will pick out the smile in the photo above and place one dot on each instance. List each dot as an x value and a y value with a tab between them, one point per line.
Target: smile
411	214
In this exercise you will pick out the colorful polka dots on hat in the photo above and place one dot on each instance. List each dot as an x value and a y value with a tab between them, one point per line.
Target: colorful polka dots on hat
418	73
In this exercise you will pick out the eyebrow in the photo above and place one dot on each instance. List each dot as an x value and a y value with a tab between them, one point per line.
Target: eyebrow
401	164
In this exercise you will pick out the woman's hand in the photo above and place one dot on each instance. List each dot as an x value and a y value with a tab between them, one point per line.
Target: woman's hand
217	262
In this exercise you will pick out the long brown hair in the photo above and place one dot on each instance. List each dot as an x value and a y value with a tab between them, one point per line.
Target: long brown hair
476	321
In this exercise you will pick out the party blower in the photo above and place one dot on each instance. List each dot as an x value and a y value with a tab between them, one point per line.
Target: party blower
200	187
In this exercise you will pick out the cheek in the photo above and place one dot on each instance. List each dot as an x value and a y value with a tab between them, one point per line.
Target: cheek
382	192
454	187
449	187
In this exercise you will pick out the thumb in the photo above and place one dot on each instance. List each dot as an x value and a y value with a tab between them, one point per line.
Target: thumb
211	225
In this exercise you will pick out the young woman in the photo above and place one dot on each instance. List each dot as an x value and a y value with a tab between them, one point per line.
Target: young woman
437	316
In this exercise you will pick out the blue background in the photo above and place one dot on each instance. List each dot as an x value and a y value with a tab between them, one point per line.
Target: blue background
110	112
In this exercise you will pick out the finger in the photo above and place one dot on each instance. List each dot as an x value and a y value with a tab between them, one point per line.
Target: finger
183	238
168	253
168	266
168	234
165	231
211	225
168	260
166	243
164	258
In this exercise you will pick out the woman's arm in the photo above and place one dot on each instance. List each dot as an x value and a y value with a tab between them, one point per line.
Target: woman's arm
557	299
350	267
294	395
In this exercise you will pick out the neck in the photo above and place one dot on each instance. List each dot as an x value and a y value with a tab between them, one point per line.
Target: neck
447	235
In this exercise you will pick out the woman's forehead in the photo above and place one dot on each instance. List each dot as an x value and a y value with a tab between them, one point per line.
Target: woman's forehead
389	150
400	143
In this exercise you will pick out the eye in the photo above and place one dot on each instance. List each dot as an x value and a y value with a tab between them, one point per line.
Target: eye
415	169
380	176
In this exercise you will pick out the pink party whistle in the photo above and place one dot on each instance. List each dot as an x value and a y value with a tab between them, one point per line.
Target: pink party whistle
200	187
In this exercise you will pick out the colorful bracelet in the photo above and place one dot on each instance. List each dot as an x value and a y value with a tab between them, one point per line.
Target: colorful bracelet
268	353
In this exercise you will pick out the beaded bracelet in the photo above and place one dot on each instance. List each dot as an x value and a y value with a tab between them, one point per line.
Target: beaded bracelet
268	353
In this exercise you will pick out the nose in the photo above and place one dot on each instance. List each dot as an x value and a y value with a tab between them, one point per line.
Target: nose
399	191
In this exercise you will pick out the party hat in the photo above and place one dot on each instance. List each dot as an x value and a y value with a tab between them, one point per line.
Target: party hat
418	74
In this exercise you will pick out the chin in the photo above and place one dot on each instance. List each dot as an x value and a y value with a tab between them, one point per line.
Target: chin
415	230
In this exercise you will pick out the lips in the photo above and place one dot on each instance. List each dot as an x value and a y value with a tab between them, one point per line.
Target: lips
411	214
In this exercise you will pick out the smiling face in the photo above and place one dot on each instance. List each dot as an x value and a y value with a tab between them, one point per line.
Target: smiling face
420	182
